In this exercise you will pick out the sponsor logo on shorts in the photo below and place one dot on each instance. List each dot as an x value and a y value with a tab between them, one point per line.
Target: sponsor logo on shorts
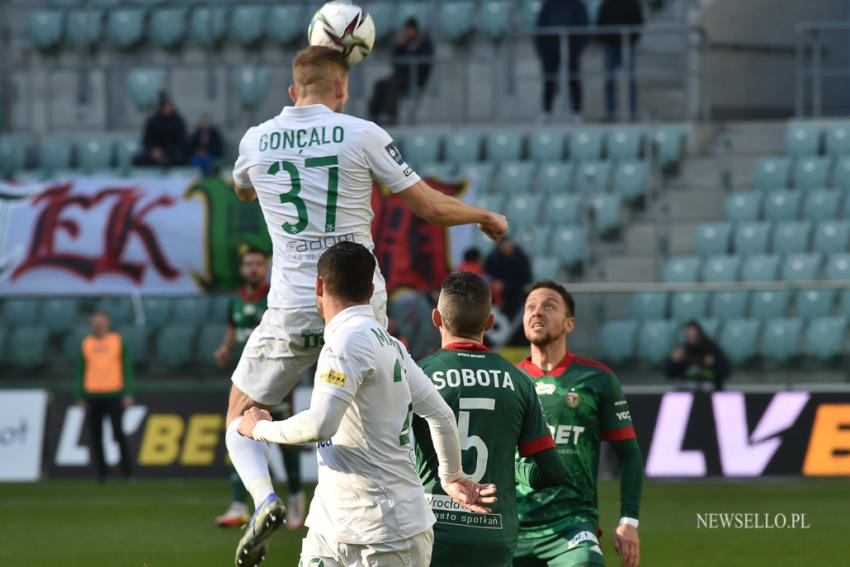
581	537
333	377
543	389
394	152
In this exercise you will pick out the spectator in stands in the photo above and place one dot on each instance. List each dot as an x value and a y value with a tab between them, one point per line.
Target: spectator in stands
619	13
206	145
164	141
508	265
104	387
698	363
472	262
412	59
561	13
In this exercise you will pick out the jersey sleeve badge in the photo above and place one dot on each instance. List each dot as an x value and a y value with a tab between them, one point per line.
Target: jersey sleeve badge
333	377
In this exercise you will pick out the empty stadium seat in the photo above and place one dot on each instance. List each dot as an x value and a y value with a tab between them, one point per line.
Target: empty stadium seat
167	26
546	145
751	238
515	177
27	346
438	170
46	28
801	267
618	340
782	205
781	339
135	340
95	155
529	11
463	146
773	173
712	238
624	144
631	180
803	140
711	327
118	309
586	144
739	339
769	304
191	310
649	305
504	145
20	312
546	268
251	84
825	337
285	23
157	311
175	345
72	345
569	244
554	178
208	27
246	26
125	27
209	340
812	172
655	340
593	176
422	147
562	209
760	268
838	140
669	146
682	270
220	308
83	27
743	206
54	154
144	86
455	18
607	211
418	10
493	18
729	304
494	203
841	177
59	315
821	204
831	236
791	237
523	209
721	268
482	171
838	267
4	335
383	15
13	155
688	305
811	303
126	149
534	240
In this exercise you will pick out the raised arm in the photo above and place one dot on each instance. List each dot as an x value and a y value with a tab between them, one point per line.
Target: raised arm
442	210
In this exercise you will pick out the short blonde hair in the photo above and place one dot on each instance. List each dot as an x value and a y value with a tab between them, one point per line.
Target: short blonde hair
317	68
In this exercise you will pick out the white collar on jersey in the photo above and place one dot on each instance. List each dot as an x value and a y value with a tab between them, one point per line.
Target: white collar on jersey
308	110
346	314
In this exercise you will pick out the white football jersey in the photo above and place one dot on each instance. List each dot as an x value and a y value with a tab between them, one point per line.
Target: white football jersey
368	489
312	169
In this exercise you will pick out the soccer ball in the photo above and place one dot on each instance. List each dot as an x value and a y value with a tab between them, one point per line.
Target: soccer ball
345	27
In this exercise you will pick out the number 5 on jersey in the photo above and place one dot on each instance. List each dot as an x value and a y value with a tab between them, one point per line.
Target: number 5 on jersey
292	197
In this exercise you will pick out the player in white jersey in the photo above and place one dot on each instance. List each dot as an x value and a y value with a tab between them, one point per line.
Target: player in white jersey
369	507
311	168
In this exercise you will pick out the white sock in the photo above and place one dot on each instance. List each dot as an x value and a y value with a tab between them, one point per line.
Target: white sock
249	459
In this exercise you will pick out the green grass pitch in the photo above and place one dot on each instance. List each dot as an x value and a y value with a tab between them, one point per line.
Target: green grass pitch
170	524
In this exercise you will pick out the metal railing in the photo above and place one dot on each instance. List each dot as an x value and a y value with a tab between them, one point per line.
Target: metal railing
810	69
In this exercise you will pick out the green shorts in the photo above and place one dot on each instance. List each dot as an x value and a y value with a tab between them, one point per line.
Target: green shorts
576	546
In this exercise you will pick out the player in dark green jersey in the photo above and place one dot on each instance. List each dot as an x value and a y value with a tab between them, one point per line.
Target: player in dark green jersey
244	313
584	405
497	413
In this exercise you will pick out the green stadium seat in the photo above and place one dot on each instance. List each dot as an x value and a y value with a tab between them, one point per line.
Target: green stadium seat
220	308
46	28
838	140
504	145
711	327
514	177
712	238
125	27
144	86
655	340
760	268
586	144
455	18
743	206
688	305
825	337
83	27
821	204
494	17
831	236
59	315
20	312
782	205
534	240
3	350
751	238
13	155
649	305
418	10
812	303
546	145
773	173
769	304
729	304
562	209
631	180
781	339
838	267
422	147
546	268
246	24
105	3
803	140
209	340
175	345
251	84
463	146
95	154
495	203
482	171
438	170
529	11
157	311
618	340
739	339
570	245
72	342
844	303
118	309
554	178
383	14
54	154
791	237
207	27
136	340
191	310
624	144
593	176
682	270
721	268
125	150
812	172
27	346
285	23
607	211
801	267
669	146
842	173
523	209
167	26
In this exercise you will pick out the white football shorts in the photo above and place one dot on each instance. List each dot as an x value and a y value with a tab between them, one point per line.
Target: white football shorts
412	552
